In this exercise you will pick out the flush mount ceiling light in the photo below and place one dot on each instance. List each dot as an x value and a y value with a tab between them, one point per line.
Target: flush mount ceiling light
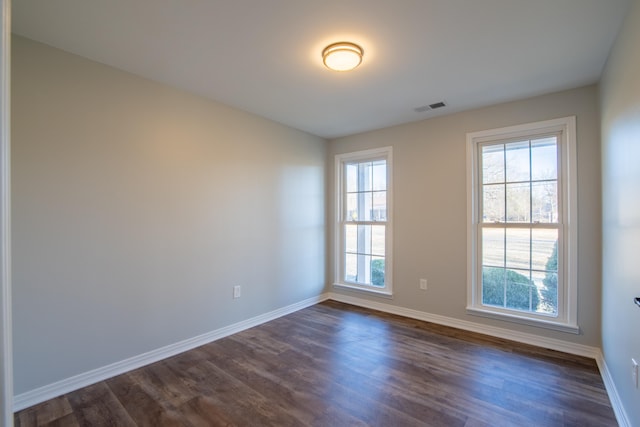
342	56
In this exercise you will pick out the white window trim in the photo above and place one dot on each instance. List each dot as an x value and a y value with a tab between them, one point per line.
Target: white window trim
566	321
340	159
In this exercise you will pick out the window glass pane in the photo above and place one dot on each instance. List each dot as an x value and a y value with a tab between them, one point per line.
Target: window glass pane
351	213
364	269
351	238
547	281
365	206
518	248
518	202
380	175
352	177
517	161
493	286
544	199
493	247
493	203
493	164
548	293
377	240
351	267
544	158
377	271
521	292
380	206
365	172
544	249
364	239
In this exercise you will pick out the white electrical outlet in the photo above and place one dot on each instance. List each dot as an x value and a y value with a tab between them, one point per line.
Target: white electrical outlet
423	284
236	291
634	372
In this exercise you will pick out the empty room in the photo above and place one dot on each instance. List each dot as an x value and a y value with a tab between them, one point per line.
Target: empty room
294	213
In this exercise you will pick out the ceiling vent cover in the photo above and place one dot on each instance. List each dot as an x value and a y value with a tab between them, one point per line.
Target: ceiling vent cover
430	107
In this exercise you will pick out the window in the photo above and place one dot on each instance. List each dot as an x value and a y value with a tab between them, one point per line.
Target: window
363	220
522	210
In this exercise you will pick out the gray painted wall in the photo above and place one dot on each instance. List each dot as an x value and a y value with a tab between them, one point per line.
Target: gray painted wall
137	208
620	106
430	205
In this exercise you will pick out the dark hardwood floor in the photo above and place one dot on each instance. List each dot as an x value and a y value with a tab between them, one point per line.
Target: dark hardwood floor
338	365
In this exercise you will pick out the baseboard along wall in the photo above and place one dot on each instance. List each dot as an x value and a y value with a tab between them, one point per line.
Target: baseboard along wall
85	379
50	391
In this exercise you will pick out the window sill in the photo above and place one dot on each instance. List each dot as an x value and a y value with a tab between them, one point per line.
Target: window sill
380	293
524	320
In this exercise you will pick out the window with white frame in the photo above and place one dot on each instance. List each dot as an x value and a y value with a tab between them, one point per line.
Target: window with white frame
522	214
363	220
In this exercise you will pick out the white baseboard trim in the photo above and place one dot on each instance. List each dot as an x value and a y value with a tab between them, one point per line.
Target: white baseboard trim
76	382
614	397
538	341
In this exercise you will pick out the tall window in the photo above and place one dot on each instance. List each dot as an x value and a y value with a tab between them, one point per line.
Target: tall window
363	220
521	242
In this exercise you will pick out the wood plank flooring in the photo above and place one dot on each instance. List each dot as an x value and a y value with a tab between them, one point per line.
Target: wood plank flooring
338	365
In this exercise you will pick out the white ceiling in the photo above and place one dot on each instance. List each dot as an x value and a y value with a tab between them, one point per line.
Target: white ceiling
263	56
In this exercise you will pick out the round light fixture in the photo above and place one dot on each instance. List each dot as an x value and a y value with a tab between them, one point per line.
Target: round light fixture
342	56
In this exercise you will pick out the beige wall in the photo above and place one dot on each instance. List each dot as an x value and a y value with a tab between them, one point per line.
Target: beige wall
137	208
430	205
620	105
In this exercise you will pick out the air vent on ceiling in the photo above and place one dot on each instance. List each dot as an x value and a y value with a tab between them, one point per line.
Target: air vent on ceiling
430	107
